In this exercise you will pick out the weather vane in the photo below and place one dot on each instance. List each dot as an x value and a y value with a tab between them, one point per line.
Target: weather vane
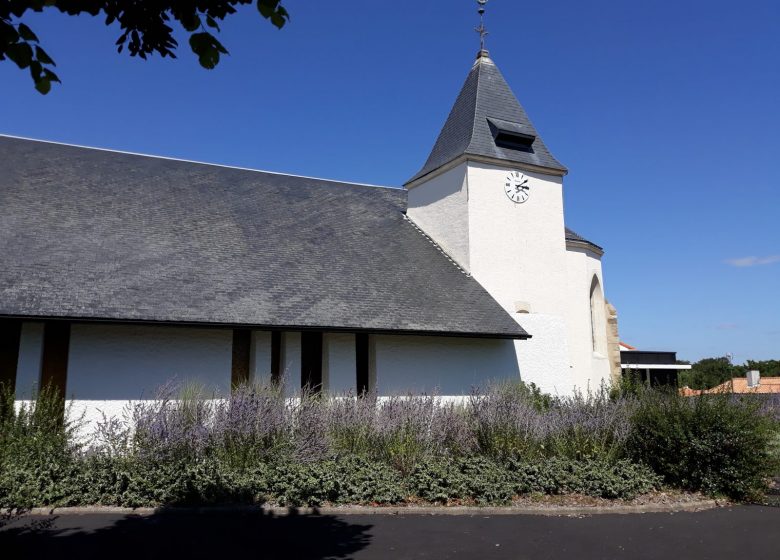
481	29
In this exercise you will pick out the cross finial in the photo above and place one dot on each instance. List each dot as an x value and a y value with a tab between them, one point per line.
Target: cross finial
481	29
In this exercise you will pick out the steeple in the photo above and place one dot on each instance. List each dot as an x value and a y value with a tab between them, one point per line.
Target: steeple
488	121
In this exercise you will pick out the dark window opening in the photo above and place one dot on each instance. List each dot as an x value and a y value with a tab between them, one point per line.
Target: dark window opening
511	135
311	361
513	141
276	357
242	355
361	363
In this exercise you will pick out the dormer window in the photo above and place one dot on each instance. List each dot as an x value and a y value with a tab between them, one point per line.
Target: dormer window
510	135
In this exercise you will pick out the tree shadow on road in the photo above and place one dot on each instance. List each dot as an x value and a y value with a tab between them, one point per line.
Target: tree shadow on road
215	535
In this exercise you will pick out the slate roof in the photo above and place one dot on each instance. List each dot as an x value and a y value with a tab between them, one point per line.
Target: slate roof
486	95
574	236
94	234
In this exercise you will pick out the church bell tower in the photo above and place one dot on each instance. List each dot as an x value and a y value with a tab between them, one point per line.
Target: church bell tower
491	195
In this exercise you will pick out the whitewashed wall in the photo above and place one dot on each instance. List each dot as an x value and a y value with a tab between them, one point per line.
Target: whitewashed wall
130	361
589	368
543	359
110	366
260	357
440	208
339	363
517	251
447	366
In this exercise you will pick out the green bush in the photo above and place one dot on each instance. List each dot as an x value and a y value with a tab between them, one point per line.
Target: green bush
255	448
471	478
352	480
38	459
718	444
599	478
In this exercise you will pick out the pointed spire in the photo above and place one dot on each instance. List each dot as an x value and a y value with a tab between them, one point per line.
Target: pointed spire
484	109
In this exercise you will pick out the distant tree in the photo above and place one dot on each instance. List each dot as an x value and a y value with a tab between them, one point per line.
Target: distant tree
709	372
768	368
143	24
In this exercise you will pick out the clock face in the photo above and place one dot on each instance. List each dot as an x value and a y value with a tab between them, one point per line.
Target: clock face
516	187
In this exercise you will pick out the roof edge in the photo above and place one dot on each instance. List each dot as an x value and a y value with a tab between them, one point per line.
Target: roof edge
466	156
223	325
220	165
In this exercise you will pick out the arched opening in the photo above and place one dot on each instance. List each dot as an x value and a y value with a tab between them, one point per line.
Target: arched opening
598	326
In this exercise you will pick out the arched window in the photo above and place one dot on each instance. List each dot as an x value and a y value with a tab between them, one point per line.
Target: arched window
598	325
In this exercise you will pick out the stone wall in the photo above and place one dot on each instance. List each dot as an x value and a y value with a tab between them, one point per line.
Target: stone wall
613	343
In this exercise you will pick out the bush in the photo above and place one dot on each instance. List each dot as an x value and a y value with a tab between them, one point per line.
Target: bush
718	444
511	421
599	478
472	478
38	456
258	446
353	480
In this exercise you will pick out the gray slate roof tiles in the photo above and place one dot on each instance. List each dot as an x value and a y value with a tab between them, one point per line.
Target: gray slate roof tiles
484	95
94	234
574	236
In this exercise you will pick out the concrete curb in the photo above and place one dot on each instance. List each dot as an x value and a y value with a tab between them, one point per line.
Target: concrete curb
698	505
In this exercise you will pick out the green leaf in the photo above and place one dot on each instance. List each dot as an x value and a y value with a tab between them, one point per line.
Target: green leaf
270	9
26	33
43	85
51	76
20	53
41	55
212	23
190	22
207	48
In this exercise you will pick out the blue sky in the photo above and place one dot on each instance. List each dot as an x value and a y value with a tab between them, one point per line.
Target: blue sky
667	115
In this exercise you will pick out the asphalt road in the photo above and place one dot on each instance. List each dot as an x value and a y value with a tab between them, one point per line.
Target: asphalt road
746	532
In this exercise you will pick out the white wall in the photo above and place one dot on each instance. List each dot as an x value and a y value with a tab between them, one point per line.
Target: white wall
445	365
543	359
260	366
440	208
131	361
589	368
517	251
291	361
338	363
111	365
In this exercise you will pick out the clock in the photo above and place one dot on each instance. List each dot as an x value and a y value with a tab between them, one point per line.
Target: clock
516	187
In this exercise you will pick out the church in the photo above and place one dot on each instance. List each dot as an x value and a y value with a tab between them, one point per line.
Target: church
123	271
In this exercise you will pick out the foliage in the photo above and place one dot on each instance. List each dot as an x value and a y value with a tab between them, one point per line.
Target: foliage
509	424
37	450
621	479
709	372
718	444
144	26
352	480
188	447
469	478
768	368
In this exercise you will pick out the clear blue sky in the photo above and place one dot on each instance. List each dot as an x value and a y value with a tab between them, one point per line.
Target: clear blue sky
666	113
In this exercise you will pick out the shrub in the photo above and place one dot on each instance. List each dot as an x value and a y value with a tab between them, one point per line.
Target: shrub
511	421
599	478
259	446
469	478
37	451
353	480
719	444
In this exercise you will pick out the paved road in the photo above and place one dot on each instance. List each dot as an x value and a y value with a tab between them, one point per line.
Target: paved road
747	532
